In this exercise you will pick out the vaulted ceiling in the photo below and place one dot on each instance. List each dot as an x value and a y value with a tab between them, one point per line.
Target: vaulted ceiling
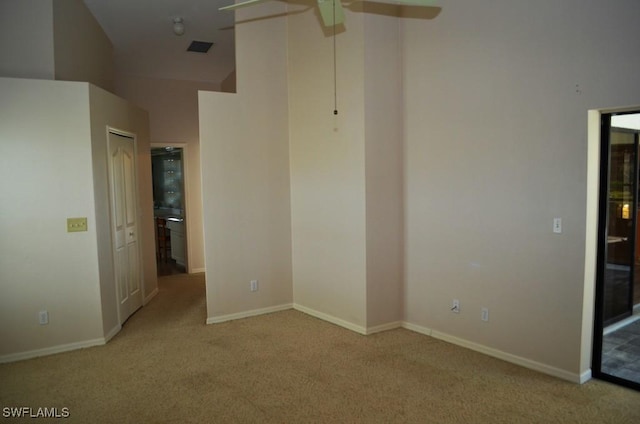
145	45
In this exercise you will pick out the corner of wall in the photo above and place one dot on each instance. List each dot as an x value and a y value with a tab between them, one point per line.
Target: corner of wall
244	154
46	148
110	111
82	50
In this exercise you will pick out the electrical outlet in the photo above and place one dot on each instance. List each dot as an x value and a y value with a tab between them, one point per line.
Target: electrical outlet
43	317
254	285
484	314
455	306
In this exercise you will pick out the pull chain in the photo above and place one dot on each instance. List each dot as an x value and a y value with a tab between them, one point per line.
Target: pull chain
335	79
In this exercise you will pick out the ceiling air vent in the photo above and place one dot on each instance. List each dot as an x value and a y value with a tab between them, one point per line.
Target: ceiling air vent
199	46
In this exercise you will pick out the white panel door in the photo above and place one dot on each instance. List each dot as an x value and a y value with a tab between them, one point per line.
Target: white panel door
124	224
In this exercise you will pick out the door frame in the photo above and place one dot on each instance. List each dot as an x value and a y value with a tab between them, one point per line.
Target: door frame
590	337
186	198
134	137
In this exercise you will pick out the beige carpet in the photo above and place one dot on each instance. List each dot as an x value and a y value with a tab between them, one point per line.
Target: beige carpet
167	366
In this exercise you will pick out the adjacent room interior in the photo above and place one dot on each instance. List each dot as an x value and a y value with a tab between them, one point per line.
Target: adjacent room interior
167	168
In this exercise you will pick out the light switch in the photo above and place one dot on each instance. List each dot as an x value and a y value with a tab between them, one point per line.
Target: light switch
76	224
557	225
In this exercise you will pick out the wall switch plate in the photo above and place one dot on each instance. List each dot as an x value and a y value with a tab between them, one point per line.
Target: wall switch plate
557	225
455	306
76	224
484	314
43	317
254	285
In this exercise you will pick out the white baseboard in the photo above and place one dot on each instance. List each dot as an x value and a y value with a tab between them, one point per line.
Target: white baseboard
111	334
417	328
196	270
384	327
514	359
151	296
585	376
20	356
308	311
247	314
330	318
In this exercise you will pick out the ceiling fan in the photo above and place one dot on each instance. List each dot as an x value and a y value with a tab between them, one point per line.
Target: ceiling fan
332	15
332	12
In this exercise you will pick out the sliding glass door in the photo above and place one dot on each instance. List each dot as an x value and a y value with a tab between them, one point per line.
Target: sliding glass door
617	329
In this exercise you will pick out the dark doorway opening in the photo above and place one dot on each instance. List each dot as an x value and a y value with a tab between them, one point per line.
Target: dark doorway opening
169	209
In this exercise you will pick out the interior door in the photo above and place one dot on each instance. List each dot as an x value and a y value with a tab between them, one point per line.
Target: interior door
124	224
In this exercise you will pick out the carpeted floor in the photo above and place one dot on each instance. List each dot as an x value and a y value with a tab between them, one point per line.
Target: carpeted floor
167	366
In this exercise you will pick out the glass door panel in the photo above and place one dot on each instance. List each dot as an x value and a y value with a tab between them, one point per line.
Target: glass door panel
616	353
621	211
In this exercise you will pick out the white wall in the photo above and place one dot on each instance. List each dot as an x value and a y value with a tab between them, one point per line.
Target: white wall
47	172
54	136
384	168
173	117
46	129
82	50
26	39
228	85
496	99
328	170
346	170
60	39
245	175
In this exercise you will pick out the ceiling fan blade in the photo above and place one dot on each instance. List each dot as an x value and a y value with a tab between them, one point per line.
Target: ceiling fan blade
425	3
327	12
241	4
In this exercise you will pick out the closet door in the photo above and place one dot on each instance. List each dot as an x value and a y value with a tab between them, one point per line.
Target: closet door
124	224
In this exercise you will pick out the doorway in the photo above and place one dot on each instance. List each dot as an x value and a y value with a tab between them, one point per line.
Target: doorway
169	201
616	351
